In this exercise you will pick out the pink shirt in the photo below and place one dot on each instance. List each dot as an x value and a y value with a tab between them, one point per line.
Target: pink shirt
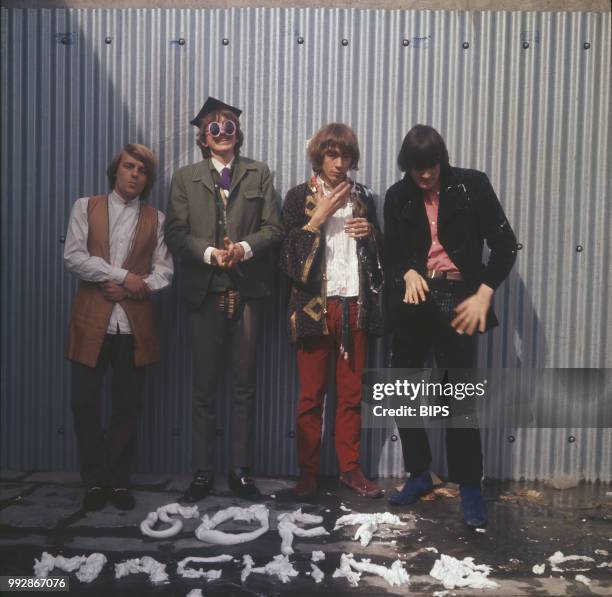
437	258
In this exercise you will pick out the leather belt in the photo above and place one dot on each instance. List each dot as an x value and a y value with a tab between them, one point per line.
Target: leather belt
435	274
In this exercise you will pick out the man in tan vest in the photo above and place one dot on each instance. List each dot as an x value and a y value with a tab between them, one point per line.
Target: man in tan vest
115	246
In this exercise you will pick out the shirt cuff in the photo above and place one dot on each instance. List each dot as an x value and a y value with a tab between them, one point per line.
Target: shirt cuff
118	275
208	255
248	252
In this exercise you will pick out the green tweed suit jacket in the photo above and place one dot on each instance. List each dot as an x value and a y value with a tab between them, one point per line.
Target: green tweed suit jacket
252	215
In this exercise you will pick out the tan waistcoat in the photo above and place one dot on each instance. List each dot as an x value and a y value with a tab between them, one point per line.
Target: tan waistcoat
91	311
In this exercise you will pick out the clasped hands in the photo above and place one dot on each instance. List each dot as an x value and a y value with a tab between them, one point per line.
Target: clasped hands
330	204
230	255
471	313
134	286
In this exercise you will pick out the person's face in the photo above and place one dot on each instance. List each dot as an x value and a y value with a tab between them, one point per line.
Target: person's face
427	179
131	177
335	166
222	146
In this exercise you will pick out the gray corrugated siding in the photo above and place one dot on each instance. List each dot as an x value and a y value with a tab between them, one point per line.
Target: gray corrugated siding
536	120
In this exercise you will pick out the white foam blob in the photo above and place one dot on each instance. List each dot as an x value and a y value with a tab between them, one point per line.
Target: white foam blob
148	565
163	515
454	573
369	524
207	532
280	566
185	572
87	568
317	573
288	528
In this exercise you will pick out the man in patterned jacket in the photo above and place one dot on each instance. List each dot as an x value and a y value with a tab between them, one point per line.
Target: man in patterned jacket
331	254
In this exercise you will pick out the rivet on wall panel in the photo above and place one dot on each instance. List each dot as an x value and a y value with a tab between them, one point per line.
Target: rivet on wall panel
405	42
511	439
300	40
345	42
65	39
465	45
579	248
60	431
394	438
587	45
225	41
571	439
62	240
519	246
108	40
525	45
291	434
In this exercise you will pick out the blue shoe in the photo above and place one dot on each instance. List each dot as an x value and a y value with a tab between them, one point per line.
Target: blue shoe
473	505
414	488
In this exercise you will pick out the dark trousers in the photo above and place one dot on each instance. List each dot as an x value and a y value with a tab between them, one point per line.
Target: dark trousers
219	344
106	459
432	332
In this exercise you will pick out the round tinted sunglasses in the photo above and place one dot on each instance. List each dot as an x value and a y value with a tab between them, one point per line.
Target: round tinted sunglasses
215	129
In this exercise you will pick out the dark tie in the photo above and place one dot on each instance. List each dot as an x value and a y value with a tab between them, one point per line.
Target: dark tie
225	179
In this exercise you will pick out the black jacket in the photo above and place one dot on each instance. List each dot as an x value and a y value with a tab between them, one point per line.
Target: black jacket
469	213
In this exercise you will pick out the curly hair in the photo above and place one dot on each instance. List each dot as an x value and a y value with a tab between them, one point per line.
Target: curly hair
333	136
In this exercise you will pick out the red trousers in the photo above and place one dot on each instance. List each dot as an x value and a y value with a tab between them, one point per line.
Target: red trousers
313	359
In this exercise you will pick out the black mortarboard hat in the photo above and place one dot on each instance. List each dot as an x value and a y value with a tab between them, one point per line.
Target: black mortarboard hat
212	105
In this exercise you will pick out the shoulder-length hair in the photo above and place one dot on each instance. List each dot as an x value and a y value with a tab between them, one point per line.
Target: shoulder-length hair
333	136
211	117
423	147
141	153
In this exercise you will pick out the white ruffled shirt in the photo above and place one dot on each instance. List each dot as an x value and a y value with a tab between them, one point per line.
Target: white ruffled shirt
341	263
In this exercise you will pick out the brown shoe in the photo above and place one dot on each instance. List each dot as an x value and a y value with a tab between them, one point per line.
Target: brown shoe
358	482
307	486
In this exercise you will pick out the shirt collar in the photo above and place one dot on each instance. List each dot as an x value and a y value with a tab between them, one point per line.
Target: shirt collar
118	201
219	166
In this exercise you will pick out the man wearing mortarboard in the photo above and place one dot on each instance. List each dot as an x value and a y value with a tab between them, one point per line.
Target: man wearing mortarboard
222	223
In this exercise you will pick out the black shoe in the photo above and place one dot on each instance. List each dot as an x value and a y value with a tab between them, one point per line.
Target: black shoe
242	485
200	487
94	499
121	498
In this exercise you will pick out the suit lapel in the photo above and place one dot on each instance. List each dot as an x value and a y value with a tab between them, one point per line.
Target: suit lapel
453	198
204	175
237	175
414	208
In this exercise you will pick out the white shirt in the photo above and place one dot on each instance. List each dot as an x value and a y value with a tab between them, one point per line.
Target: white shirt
122	220
248	253
341	263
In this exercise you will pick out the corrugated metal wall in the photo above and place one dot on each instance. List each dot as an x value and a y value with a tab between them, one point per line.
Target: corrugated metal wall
523	96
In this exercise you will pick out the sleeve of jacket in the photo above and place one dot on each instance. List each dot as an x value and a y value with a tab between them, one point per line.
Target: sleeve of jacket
301	244
495	228
177	229
375	238
270	232
398	257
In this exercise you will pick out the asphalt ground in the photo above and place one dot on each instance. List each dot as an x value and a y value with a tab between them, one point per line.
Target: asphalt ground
41	511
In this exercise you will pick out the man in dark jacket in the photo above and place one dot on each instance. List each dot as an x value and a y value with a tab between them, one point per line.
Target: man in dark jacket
331	254
436	220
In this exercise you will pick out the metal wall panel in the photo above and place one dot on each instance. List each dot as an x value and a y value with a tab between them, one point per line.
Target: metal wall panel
518	95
